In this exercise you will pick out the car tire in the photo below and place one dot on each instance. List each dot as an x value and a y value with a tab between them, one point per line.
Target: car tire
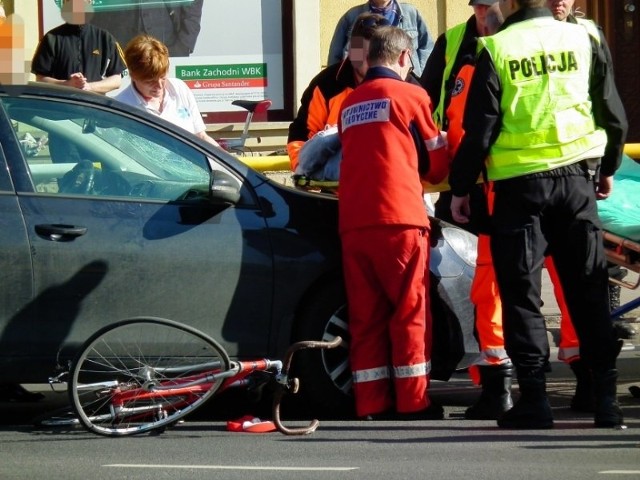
325	376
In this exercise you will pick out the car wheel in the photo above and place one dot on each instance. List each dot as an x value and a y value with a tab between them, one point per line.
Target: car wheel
325	376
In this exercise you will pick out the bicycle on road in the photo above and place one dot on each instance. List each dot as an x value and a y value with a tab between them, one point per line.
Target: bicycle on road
146	373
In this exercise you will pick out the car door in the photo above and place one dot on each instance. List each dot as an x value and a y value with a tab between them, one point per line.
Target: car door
127	229
16	281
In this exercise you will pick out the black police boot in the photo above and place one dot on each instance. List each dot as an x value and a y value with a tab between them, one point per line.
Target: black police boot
532	409
495	398
607	410
583	400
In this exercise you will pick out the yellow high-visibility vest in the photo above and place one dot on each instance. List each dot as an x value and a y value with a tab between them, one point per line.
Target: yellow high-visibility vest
454	38
547	119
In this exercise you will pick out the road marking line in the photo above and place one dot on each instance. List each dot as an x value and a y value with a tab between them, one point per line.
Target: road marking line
234	467
620	472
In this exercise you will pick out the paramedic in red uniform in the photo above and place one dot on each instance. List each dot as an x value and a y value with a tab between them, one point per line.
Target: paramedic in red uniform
389	143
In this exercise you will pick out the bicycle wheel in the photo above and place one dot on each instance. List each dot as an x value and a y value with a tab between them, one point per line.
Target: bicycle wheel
144	373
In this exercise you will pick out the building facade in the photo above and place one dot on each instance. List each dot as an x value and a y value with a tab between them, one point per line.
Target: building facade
312	23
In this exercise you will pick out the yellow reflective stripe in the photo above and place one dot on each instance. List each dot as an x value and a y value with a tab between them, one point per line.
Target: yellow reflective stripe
507	163
590	27
370	374
567	130
408	371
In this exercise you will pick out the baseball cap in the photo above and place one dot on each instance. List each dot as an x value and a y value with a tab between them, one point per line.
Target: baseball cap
488	3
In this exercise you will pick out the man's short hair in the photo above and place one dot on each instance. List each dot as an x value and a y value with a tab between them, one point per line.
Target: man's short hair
386	45
367	23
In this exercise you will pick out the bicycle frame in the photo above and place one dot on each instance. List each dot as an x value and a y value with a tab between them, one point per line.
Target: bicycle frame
150	397
119	395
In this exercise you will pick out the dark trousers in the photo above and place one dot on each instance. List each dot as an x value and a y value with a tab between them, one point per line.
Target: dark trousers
553	213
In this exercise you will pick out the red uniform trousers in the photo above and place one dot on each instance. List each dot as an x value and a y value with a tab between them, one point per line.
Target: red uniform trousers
569	350
484	288
387	281
488	307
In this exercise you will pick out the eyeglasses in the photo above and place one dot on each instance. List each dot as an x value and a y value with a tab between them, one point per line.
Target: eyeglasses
411	67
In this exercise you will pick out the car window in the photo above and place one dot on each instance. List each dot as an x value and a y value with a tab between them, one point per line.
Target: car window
76	149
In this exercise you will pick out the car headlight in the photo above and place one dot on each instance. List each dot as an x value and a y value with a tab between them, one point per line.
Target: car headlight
463	243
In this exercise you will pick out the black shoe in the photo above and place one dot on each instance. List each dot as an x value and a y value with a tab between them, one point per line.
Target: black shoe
432	412
532	410
607	410
495	398
528	416
583	399
623	330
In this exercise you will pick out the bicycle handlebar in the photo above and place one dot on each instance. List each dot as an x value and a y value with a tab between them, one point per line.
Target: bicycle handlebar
291	385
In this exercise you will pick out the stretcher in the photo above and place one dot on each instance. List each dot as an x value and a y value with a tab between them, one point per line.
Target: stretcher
312	185
625	253
620	217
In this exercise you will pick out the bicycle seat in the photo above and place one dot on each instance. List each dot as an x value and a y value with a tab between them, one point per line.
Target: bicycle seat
254	106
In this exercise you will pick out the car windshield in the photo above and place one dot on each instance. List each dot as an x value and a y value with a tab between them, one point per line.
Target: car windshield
162	160
59	135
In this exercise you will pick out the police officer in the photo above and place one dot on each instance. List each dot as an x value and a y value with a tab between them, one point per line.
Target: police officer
569	351
543	109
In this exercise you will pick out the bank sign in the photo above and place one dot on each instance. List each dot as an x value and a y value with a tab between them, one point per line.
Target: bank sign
224	76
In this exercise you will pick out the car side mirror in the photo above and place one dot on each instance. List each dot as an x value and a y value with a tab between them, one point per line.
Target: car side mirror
223	188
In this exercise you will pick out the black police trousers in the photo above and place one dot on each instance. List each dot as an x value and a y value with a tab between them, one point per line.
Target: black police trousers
551	213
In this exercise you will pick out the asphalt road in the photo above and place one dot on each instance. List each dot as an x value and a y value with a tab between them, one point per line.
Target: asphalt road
453	448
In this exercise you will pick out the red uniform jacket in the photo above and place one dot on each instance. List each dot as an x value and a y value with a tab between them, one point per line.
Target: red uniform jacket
385	125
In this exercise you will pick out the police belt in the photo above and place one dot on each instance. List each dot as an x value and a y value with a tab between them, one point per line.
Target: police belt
589	167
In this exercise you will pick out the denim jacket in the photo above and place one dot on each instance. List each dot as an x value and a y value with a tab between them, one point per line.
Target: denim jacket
410	21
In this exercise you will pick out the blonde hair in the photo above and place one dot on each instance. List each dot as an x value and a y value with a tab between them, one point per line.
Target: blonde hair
147	58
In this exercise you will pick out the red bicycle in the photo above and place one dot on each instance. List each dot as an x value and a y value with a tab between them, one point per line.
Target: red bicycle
144	374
